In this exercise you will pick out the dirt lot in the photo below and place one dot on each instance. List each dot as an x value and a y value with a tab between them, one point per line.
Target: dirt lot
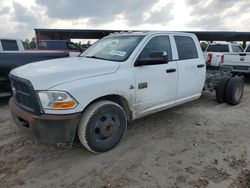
199	144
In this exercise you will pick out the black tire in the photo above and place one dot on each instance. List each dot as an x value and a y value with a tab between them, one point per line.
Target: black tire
102	126
220	89
234	91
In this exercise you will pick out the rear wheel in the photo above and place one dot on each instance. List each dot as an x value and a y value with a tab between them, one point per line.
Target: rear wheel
102	126
220	89
234	91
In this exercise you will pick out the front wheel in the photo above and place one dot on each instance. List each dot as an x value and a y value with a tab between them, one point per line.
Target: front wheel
102	126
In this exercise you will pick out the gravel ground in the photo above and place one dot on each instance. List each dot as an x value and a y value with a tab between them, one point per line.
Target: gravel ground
198	144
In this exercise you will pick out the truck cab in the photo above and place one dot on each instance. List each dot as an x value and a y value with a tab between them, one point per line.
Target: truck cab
120	78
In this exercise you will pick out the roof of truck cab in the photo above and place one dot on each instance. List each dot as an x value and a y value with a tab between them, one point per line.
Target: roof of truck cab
144	33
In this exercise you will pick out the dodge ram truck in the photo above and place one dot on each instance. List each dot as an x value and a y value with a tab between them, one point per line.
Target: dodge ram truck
120	78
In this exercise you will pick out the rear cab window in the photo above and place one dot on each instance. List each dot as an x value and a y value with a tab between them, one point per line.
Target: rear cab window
236	48
218	48
186	47
9	45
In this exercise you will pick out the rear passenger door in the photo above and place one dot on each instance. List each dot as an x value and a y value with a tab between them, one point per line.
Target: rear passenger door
191	68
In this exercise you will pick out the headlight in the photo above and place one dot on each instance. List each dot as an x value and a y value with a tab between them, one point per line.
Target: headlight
57	100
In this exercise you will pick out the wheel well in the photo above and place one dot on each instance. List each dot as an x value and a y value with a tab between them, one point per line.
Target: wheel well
119	100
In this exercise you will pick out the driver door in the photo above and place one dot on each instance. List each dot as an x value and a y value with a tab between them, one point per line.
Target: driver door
156	84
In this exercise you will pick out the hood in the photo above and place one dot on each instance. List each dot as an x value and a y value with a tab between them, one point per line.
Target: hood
46	74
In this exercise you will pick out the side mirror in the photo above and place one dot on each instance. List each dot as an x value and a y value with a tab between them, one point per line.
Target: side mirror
154	58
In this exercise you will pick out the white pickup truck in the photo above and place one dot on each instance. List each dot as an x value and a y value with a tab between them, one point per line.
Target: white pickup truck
237	63
215	53
120	78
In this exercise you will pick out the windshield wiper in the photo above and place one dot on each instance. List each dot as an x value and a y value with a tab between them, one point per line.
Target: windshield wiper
94	57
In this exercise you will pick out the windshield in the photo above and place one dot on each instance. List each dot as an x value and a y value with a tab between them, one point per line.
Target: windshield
113	48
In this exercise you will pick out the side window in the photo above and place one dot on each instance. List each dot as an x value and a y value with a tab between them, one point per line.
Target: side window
9	45
248	48
186	47
237	48
157	44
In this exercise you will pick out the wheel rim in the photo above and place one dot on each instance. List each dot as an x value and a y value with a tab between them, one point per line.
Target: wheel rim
106	127
237	93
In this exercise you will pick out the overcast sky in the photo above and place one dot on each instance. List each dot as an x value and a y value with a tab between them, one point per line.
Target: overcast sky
20	17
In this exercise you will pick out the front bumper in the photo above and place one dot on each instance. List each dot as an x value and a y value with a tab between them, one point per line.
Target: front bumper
56	129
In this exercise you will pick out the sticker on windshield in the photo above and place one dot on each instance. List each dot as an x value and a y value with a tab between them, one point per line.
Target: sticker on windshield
118	53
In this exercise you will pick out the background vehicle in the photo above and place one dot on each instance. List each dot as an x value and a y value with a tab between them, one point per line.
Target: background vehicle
214	54
13	54
60	45
10	60
118	79
237	64
7	44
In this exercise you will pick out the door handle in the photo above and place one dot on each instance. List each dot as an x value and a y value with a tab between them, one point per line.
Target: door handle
200	65
170	70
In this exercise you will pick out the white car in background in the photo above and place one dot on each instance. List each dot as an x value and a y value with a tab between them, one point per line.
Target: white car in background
238	63
215	52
